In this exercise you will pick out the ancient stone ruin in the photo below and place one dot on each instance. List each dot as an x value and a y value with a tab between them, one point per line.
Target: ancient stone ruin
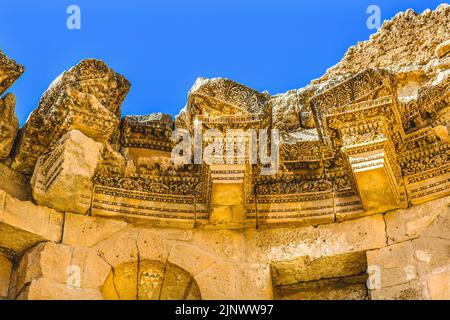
92	207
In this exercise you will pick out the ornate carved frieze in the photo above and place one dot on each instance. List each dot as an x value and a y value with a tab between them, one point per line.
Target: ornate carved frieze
221	103
360	117
188	180
365	151
150	132
434	103
363	161
222	96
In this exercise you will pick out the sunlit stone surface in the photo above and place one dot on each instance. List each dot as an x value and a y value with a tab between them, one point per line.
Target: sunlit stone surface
92	207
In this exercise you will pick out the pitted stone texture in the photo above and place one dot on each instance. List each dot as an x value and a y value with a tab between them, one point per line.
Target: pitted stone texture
395	44
87	97
306	268
191	258
408	291
255	282
120	248
9	124
443	49
282	244
10	71
396	263
86	231
63	179
291	110
151	246
217	282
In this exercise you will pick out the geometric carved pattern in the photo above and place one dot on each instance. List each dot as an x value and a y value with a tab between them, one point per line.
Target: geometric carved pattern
363	142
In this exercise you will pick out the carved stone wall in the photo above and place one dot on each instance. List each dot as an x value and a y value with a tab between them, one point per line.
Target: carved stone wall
358	208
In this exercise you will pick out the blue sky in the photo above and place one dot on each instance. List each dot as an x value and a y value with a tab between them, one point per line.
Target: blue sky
162	46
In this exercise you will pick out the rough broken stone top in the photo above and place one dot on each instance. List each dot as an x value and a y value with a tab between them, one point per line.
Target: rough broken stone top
157	117
10	71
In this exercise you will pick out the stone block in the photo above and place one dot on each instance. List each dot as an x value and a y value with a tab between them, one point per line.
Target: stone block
282	244
410	223
120	248
190	258
347	288
430	253
253	282
87	97
9	124
63	179
24	224
87	231
76	267
439	285
407	291
46	289
151	246
396	263
14	183
217	282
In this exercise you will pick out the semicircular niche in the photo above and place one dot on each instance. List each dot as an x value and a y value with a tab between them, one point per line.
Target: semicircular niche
150	280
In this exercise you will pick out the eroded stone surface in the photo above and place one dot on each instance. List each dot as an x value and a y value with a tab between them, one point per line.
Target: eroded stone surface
14	183
409	223
368	137
76	268
10	71
396	263
87	97
309	269
88	231
9	124
62	179
24	224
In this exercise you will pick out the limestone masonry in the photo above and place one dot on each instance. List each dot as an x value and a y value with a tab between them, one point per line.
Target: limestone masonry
91	206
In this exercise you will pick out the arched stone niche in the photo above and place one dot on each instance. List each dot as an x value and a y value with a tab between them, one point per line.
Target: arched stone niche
150	280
